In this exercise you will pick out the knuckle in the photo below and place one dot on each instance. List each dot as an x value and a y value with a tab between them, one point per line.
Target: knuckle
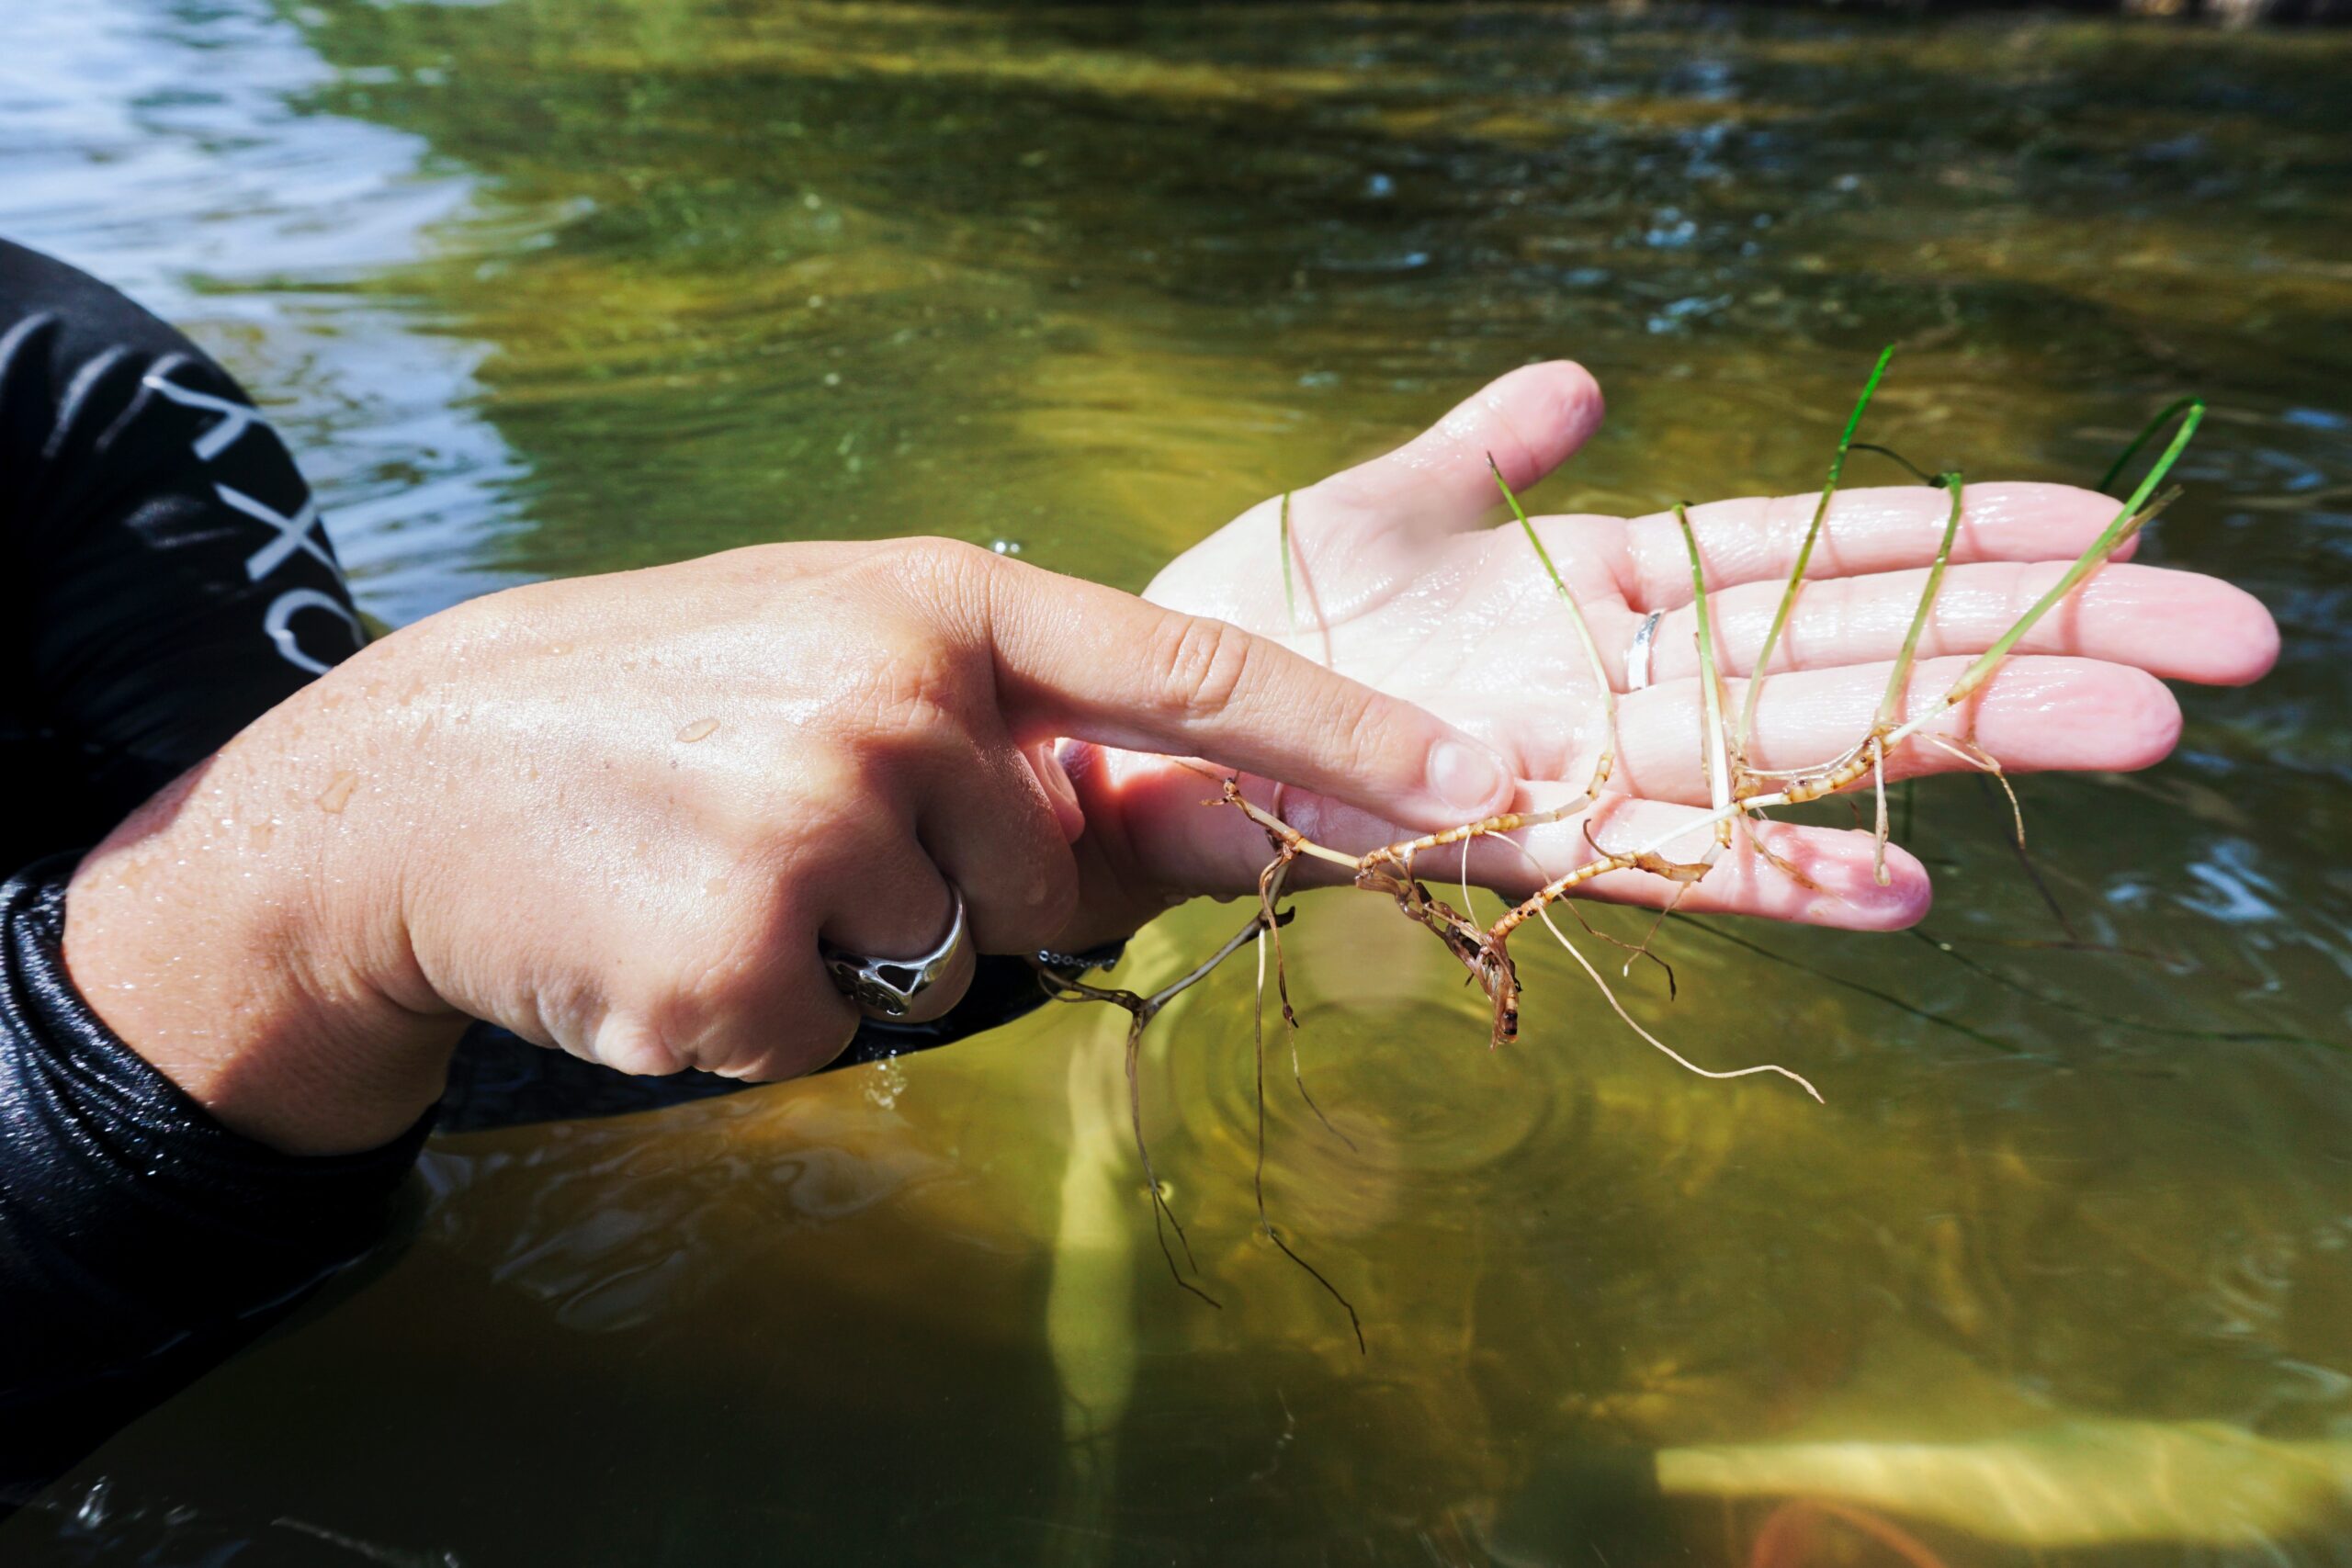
1359	724
946	570
2148	720
731	986
918	690
930	648
1204	663
755	1008
630	1041
833	803
1823	623
2028	581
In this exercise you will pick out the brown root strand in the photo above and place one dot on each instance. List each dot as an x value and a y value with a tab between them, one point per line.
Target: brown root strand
1778	862
1159	1208
1269	890
1635	951
1258	1173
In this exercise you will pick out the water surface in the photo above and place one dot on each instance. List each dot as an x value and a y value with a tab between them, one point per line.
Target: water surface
547	287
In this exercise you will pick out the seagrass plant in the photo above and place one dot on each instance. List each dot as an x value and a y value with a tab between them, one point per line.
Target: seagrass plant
1741	795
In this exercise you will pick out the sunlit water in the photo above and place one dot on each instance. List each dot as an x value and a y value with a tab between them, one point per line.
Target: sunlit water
545	286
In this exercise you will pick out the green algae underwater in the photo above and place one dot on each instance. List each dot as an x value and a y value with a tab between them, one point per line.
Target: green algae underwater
2060	1273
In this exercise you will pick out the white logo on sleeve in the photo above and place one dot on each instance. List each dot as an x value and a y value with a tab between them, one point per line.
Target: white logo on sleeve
281	611
236	418
289	535
293	534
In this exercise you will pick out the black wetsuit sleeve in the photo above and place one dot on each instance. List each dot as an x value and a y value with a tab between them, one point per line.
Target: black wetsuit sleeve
163	576
138	1237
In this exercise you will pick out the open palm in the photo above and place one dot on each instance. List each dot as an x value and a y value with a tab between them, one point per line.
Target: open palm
1402	581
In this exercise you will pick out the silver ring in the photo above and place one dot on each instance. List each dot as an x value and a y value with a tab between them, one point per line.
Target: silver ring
1637	658
888	987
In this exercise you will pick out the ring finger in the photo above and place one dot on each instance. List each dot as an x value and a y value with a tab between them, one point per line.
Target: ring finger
2035	715
898	907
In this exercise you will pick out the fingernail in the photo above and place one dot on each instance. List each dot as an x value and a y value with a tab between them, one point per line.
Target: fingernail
1465	777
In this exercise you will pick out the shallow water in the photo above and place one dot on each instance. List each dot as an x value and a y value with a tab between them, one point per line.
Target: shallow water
545	287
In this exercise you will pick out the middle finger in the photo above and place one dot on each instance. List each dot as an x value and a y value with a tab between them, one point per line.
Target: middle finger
1887	528
2181	625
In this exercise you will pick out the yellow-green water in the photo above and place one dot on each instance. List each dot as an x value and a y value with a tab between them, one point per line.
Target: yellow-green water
624	281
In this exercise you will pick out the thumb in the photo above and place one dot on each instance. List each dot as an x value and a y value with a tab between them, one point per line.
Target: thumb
1080	660
1533	420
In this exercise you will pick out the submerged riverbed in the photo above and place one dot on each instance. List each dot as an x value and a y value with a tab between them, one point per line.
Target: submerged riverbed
545	286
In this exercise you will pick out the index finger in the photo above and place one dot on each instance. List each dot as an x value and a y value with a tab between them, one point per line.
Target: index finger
1099	665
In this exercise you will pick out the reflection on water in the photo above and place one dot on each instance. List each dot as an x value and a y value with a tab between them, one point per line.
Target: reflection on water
2061	1273
165	147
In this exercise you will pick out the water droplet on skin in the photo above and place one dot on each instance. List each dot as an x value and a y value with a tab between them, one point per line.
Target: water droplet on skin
700	729
338	794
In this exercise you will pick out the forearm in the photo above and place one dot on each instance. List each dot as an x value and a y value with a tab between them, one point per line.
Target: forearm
228	931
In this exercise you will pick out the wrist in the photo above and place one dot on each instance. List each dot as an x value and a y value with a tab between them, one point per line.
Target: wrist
234	942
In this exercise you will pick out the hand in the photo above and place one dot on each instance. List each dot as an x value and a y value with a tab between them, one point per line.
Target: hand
1402	584
616	814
